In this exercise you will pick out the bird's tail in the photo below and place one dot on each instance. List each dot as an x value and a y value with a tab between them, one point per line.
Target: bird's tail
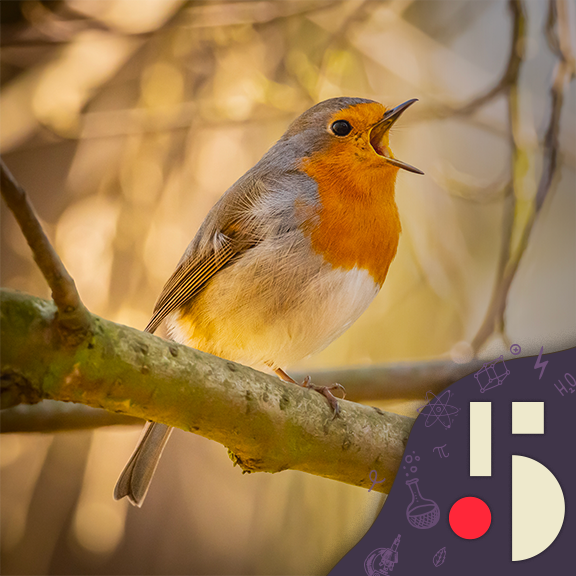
137	474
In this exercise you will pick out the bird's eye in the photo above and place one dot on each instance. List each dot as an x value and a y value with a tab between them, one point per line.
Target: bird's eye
341	128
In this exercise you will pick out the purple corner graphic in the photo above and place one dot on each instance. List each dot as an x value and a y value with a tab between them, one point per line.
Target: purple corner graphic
492	374
432	545
422	513
438	409
386	558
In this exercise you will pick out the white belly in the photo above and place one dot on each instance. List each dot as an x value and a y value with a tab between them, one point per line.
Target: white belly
271	310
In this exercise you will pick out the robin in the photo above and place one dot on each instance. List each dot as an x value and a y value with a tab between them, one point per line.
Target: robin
289	257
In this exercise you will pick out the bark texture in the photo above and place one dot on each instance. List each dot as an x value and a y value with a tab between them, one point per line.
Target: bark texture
267	425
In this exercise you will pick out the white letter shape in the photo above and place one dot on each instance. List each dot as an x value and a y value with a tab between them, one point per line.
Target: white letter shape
538	508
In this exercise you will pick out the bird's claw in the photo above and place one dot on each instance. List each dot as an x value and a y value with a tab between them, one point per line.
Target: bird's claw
326	392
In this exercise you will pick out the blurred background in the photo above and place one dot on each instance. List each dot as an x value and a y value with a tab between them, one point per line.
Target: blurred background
127	119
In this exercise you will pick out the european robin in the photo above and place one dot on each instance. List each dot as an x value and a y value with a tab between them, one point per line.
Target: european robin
289	257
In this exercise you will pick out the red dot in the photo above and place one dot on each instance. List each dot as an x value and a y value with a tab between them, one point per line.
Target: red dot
470	517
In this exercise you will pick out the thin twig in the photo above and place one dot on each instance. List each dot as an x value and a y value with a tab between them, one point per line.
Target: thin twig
258	15
557	32
517	50
507	80
72	314
494	319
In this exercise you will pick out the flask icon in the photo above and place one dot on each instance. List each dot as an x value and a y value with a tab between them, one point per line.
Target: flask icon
422	513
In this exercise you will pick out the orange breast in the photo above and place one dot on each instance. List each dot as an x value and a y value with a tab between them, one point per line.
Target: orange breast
357	222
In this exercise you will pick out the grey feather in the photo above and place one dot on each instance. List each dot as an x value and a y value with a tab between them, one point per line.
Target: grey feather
137	474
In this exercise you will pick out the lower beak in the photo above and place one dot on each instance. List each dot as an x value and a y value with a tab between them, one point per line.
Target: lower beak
381	128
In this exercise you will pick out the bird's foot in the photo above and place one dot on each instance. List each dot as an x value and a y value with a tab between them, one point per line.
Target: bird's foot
326	392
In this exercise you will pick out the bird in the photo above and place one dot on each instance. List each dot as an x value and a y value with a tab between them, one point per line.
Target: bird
288	258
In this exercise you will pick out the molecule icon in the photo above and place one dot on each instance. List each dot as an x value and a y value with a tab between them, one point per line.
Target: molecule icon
492	374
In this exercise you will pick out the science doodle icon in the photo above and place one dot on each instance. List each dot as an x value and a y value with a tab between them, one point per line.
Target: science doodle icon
422	513
492	374
438	409
439	557
382	560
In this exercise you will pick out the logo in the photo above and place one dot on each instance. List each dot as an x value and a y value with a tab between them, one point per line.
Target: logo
538	505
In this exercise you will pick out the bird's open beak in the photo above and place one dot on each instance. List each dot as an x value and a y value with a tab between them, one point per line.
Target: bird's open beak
380	129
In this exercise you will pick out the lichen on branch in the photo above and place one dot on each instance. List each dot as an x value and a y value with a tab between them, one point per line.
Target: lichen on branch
267	424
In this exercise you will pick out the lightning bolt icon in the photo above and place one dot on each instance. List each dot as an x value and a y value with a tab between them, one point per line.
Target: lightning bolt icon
541	365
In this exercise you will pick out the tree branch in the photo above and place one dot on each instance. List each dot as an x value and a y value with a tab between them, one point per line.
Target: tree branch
72	314
268	425
557	32
510	76
507	80
402	380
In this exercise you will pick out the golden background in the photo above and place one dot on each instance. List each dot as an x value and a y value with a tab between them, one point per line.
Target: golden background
126	120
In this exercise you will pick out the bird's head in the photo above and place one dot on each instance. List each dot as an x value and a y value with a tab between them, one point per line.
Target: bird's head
348	134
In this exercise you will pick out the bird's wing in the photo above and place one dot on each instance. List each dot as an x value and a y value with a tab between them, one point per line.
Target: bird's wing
230	229
239	221
188	278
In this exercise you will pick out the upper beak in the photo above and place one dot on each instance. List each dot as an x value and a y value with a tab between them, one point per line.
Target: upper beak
382	126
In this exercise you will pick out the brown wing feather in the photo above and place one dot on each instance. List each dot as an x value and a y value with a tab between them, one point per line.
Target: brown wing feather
233	226
187	280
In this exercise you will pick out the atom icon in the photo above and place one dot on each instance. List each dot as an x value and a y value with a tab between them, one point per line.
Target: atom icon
438	409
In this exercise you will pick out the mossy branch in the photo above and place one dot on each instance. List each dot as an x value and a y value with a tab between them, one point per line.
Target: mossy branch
268	425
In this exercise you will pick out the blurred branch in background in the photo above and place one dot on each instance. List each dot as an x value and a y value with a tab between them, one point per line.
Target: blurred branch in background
53	416
509	85
509	79
558	35
61	27
516	223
